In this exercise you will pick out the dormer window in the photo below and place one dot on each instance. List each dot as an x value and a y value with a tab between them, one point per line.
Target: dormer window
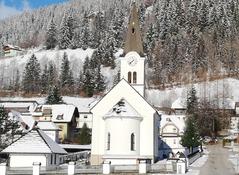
59	117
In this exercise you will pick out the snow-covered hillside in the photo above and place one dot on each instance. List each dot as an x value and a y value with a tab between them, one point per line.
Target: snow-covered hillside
224	92
9	66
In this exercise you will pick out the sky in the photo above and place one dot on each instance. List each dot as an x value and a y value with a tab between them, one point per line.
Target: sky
13	7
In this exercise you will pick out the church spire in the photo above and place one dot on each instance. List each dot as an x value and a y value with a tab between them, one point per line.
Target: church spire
133	40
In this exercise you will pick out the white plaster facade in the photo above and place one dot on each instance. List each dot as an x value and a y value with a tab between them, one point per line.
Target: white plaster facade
16	160
86	118
171	131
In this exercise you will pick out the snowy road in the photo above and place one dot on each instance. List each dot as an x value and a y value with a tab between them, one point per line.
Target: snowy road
217	163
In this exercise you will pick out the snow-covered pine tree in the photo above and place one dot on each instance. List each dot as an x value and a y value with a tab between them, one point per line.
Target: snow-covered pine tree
85	33
31	76
54	96
51	36
65	33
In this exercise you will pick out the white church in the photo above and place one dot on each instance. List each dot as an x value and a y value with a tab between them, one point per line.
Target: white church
125	126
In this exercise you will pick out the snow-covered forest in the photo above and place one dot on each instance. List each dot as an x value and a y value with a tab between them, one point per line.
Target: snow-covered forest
185	40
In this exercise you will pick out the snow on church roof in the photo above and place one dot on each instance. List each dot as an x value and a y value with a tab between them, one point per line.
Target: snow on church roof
35	141
124	109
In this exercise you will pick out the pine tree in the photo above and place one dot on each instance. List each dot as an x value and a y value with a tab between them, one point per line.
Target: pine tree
192	102
52	75
190	138
54	96
51	36
9	127
44	80
31	77
88	83
65	33
66	77
85	135
99	81
17	81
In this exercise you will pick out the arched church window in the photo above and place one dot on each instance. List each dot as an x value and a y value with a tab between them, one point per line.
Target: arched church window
132	142
134	77
108	141
129	77
133	30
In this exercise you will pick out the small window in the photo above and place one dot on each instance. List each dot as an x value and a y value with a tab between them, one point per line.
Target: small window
174	130
85	116
134	77
108	142
168	119
133	30
59	117
174	141
129	77
132	145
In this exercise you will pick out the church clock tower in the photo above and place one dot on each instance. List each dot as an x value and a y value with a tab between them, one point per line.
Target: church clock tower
133	60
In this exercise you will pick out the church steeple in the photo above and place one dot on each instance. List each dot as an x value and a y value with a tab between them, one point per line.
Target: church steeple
133	38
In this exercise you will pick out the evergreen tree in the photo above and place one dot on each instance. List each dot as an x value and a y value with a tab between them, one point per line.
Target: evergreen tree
17	81
99	81
54	96
192	102
51	36
65	33
44	80
85	135
9	129
66	77
52	75
190	138
88	83
31	77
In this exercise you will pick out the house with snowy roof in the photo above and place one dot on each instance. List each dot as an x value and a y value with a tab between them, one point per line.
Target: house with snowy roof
20	106
125	127
171	130
63	115
27	123
34	146
11	51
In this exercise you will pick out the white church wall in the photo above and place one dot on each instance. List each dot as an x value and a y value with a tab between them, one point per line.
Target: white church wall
124	90
120	130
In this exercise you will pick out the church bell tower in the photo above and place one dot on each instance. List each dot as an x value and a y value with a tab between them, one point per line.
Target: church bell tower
133	60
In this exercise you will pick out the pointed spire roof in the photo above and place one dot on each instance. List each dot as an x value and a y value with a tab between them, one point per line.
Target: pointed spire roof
133	40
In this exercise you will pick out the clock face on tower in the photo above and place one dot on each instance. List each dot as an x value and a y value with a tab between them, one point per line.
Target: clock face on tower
132	61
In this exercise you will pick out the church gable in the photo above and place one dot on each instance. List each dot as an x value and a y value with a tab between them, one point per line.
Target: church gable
122	109
123	90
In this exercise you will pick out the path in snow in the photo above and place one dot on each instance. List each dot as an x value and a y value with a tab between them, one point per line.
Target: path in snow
217	163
